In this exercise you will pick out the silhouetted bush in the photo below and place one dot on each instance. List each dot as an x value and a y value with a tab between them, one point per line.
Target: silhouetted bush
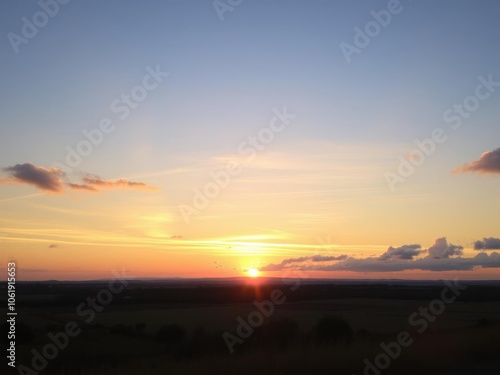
483	323
171	334
364	334
199	331
121	329
201	344
279	333
332	329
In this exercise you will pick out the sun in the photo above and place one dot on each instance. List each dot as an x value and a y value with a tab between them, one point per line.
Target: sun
253	272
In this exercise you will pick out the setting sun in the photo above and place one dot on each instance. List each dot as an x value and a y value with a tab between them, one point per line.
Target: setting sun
253	272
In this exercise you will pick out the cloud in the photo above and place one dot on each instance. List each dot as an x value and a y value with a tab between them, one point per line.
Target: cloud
53	180
441	249
481	260
404	252
323	258
94	181
315	258
46	179
490	243
489	162
83	187
442	257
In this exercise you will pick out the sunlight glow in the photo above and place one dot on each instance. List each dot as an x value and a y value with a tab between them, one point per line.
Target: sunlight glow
253	272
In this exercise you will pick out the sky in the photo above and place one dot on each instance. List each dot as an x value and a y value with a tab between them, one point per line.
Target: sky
200	138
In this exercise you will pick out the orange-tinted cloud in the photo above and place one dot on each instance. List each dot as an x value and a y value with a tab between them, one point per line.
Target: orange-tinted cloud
93	181
315	258
489	162
83	187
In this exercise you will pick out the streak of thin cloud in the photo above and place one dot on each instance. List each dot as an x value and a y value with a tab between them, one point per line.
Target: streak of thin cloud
71	211
22	197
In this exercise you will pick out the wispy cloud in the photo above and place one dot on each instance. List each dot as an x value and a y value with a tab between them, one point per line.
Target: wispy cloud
93	181
489	162
314	258
83	187
53	180
21	196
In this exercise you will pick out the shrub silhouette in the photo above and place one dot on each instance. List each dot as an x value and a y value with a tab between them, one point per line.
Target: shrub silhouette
201	344
171	334
199	331
364	334
279	333
139	327
483	323
332	329
122	329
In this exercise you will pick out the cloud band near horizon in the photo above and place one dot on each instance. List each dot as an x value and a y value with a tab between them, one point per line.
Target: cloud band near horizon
441	256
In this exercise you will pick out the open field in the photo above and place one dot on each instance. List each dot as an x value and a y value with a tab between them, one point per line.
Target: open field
140	328
380	315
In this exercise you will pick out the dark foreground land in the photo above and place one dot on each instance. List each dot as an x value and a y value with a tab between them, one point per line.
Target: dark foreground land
216	327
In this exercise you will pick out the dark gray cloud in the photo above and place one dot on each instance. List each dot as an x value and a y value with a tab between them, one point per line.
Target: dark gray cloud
314	258
481	260
407	252
489	243
54	180
489	162
46	179
442	257
327	258
442	250
56	246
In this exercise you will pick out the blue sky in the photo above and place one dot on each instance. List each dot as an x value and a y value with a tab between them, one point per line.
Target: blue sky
263	54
